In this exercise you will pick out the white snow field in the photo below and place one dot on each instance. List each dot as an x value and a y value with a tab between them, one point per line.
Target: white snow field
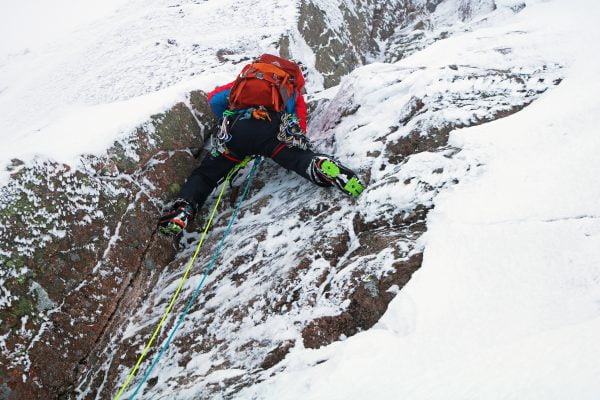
75	76
507	302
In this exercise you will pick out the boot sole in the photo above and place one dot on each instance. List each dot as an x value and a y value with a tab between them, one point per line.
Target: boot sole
330	169
171	229
353	187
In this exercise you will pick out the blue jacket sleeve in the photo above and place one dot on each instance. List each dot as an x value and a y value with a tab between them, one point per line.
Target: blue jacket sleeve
218	102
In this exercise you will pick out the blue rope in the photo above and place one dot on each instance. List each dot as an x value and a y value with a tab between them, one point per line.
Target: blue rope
206	272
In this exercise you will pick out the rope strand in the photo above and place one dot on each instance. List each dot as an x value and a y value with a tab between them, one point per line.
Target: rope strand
207	271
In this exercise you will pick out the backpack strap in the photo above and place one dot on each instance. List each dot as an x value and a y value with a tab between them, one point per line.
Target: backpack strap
283	92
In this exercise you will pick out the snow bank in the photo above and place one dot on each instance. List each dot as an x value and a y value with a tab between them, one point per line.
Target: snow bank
78	76
506	303
33	23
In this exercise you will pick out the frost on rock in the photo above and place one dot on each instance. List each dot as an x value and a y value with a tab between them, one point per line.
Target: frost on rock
426	22
72	238
346	34
305	268
84	279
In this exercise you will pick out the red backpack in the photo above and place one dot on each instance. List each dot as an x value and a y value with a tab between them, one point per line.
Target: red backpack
269	82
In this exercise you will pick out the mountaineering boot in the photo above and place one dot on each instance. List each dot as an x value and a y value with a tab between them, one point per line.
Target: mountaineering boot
326	171
177	218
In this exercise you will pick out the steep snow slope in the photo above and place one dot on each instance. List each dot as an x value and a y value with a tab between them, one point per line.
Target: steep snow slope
32	24
506	303
77	243
304	268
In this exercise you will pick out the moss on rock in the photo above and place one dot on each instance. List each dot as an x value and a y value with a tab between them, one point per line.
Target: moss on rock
123	161
176	128
23	307
58	225
174	189
203	112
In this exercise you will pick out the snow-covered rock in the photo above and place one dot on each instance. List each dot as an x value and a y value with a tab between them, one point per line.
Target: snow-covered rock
301	289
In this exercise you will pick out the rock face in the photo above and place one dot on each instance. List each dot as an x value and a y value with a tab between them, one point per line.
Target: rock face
305	268
346	34
85	279
73	242
423	23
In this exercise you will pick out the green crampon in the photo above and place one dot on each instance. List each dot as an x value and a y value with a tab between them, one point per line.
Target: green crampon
330	169
354	187
170	229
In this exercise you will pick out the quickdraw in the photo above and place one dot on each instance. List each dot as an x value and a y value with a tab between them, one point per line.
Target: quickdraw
291	134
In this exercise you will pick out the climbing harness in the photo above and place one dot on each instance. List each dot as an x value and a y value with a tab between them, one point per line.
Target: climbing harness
207	270
261	113
222	134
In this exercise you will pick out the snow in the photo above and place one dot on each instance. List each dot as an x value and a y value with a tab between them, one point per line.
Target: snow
78	76
30	24
507	302
221	375
372	100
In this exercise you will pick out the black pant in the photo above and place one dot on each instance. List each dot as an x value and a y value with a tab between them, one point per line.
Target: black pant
249	137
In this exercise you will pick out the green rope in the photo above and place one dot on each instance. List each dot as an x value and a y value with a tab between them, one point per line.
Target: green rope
206	272
184	278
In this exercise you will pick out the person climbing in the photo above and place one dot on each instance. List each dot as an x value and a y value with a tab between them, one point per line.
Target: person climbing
262	113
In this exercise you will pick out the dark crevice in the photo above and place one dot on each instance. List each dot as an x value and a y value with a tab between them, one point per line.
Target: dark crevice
83	362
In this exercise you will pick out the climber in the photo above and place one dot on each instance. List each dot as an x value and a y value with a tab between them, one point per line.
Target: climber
261	113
